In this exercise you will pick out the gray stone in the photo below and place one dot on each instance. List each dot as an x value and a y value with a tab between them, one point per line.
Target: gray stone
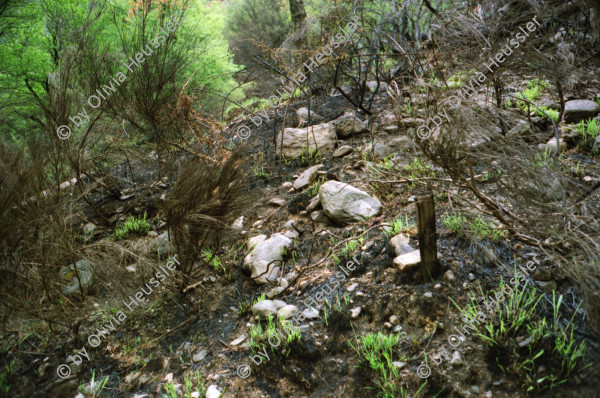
352	287
276	202
68	274
348	124
200	355
372	86
266	254
265	309
449	276
545	187
343	151
522	128
239	340
287	312
408	260
319	217
550	146
88	228
549	104
321	137
345	204
400	245
310	313
395	146
314	204
578	110
238	224
394	320
302	116
456	359
428	295
307	177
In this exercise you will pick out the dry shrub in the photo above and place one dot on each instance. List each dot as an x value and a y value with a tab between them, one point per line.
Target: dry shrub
208	194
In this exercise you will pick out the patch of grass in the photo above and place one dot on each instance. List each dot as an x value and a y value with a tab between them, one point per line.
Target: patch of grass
398	225
542	353
419	168
245	306
134	225
213	260
475	229
587	132
95	388
531	93
287	335
313	190
377	352
553	113
262	173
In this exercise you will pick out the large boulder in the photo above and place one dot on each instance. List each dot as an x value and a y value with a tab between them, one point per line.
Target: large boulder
73	283
266	254
345	204
578	110
320	137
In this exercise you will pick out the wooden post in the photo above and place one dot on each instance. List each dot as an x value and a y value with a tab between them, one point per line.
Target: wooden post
427	238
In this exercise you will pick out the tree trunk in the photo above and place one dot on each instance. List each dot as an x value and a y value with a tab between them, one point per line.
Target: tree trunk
298	12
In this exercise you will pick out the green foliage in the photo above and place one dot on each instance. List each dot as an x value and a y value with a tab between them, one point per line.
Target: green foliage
252	24
523	340
475	229
96	386
531	93
398	225
377	351
419	168
262	173
245	306
259	337
553	113
138	226
587	132
213	260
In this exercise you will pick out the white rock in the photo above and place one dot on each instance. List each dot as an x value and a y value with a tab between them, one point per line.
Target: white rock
307	177
238	224
355	312
343	151
212	392
400	245
276	202
345	204
264	309
321	137
408	260
287	312
348	124
266	254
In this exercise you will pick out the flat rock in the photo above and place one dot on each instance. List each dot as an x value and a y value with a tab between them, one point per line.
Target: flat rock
287	312
408	260
522	128
321	137
348	124
307	177
345	204
343	151
550	146
578	110
276	202
314	204
266	253
265	309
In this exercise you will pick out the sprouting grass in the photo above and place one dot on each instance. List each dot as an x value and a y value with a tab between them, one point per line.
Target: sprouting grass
587	132
541	352
398	225
288	335
213	260
377	352
95	387
476	229
262	173
553	113
245	306
136	225
531	93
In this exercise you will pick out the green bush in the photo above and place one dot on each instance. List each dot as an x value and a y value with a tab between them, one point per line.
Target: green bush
139	226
